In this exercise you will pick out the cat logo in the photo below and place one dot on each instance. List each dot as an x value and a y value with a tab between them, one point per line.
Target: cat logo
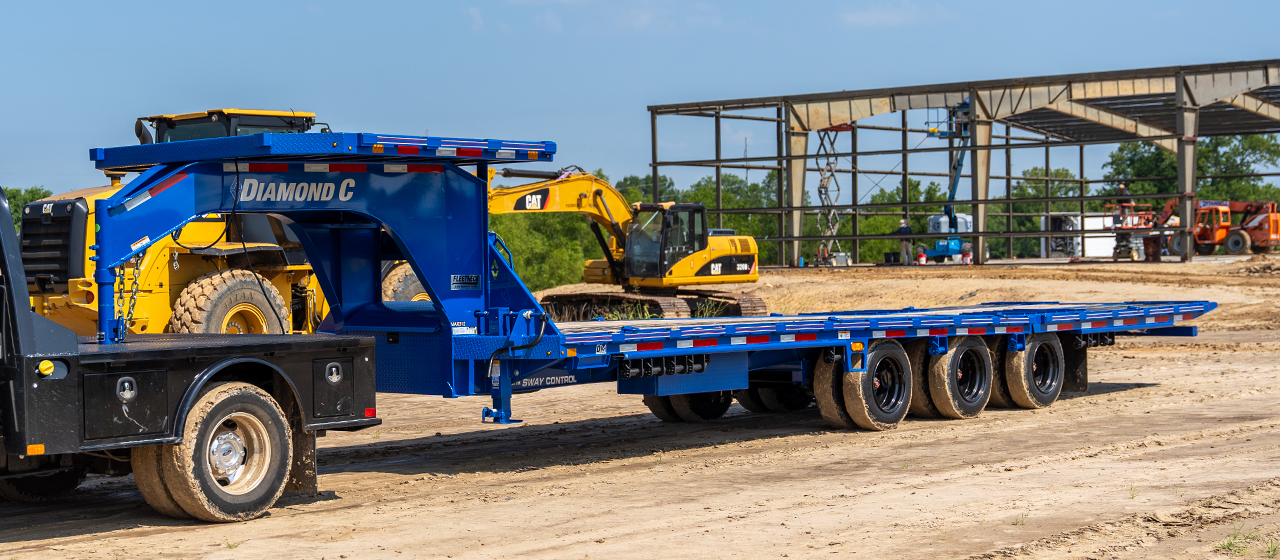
535	200
48	208
715	269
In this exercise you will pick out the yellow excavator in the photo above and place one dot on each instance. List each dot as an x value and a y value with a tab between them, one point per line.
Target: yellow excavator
216	275
655	251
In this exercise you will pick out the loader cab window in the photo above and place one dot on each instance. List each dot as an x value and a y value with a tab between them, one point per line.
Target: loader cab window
194	129
644	245
686	234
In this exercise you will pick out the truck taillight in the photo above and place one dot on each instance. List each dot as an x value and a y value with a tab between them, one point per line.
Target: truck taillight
370	412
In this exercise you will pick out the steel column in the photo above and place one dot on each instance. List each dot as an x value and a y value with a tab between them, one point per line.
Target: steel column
1188	129
980	177
719	181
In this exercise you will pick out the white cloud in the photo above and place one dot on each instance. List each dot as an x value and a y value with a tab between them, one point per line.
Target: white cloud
904	13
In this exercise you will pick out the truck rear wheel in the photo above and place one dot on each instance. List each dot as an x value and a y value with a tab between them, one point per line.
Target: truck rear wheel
1237	243
147	475
921	405
702	407
235	455
661	407
42	488
750	400
960	380
878	398
1035	375
401	284
229	301
828	390
785	399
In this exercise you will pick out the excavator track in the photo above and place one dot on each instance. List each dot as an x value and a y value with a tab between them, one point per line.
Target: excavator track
630	305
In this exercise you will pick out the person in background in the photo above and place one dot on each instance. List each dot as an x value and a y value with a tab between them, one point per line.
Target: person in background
905	244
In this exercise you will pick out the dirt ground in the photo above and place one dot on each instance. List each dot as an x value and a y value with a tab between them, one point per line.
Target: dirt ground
1173	453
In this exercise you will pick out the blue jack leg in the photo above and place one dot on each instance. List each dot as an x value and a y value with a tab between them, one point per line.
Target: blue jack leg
500	390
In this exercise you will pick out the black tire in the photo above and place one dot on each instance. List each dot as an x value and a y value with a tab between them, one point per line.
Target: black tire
828	391
785	399
921	405
1177	245
661	407
149	477
1204	249
42	488
702	407
750	400
878	397
1237	243
1260	249
1035	375
230	301
960	380
999	348
250	434
401	284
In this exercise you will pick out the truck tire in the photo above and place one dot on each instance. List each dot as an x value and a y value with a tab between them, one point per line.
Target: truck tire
829	392
921	405
878	397
750	400
229	301
147	475
1260	249
1177	245
1237	243
235	456
1206	249
785	399
999	348
42	488
1035	375
661	407
960	380
702	407
401	284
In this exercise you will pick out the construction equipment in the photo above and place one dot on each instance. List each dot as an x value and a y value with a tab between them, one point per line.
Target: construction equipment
1125	215
214	275
1257	230
654	251
957	128
370	198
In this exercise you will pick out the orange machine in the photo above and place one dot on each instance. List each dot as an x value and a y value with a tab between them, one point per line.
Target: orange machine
1258	229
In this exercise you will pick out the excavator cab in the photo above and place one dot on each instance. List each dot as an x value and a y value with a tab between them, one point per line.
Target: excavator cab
662	235
218	123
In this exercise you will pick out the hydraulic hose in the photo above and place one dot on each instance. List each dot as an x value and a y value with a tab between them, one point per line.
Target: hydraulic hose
528	314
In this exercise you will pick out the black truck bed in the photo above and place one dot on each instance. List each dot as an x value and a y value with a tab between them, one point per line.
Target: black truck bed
165	346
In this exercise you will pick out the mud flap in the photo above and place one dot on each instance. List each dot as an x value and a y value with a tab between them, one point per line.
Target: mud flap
302	473
1076	357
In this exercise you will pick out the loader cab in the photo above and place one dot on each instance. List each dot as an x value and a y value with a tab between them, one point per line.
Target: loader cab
218	123
1212	223
663	234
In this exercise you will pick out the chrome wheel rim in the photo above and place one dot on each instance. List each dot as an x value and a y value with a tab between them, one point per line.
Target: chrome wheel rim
239	453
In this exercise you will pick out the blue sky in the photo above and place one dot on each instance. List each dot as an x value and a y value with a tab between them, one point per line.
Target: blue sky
581	73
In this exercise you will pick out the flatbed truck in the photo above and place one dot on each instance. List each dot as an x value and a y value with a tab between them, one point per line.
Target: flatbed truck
357	200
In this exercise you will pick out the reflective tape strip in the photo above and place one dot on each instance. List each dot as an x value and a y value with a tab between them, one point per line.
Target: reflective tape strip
805	337
1058	327
1008	330
787	338
684	344
704	342
446	152
506	154
315	167
888	334
931	332
738	340
647	346
412	168
971	331
626	348
759	339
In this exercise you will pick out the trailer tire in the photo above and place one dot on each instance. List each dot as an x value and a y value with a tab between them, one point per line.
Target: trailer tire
702	407
42	488
999	348
1035	375
921	405
878	397
241	426
1237	243
149	478
785	399
960	380
750	400
229	300
829	392
661	407
401	284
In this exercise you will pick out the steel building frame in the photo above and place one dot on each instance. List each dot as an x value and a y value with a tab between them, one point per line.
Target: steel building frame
1171	107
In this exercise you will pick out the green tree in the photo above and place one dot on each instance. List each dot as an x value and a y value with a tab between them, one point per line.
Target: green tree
639	188
873	250
1218	155
21	197
736	192
1033	188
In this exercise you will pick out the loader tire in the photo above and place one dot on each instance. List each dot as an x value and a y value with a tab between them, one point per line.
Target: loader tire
750	400
960	380
921	405
401	284
828	391
661	407
702	407
1035	375
150	480
42	488
999	348
878	397
785	399
235	456
229	301
1237	243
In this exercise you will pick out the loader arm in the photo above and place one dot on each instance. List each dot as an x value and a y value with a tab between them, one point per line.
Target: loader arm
583	193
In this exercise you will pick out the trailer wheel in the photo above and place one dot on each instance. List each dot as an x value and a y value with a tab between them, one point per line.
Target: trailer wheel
150	480
921	405
1035	375
661	407
702	407
229	301
829	392
999	348
785	399
1237	243
401	284
878	398
750	400
235	455
42	488
960	380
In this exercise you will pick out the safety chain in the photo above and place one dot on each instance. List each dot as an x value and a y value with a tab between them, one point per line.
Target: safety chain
127	319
